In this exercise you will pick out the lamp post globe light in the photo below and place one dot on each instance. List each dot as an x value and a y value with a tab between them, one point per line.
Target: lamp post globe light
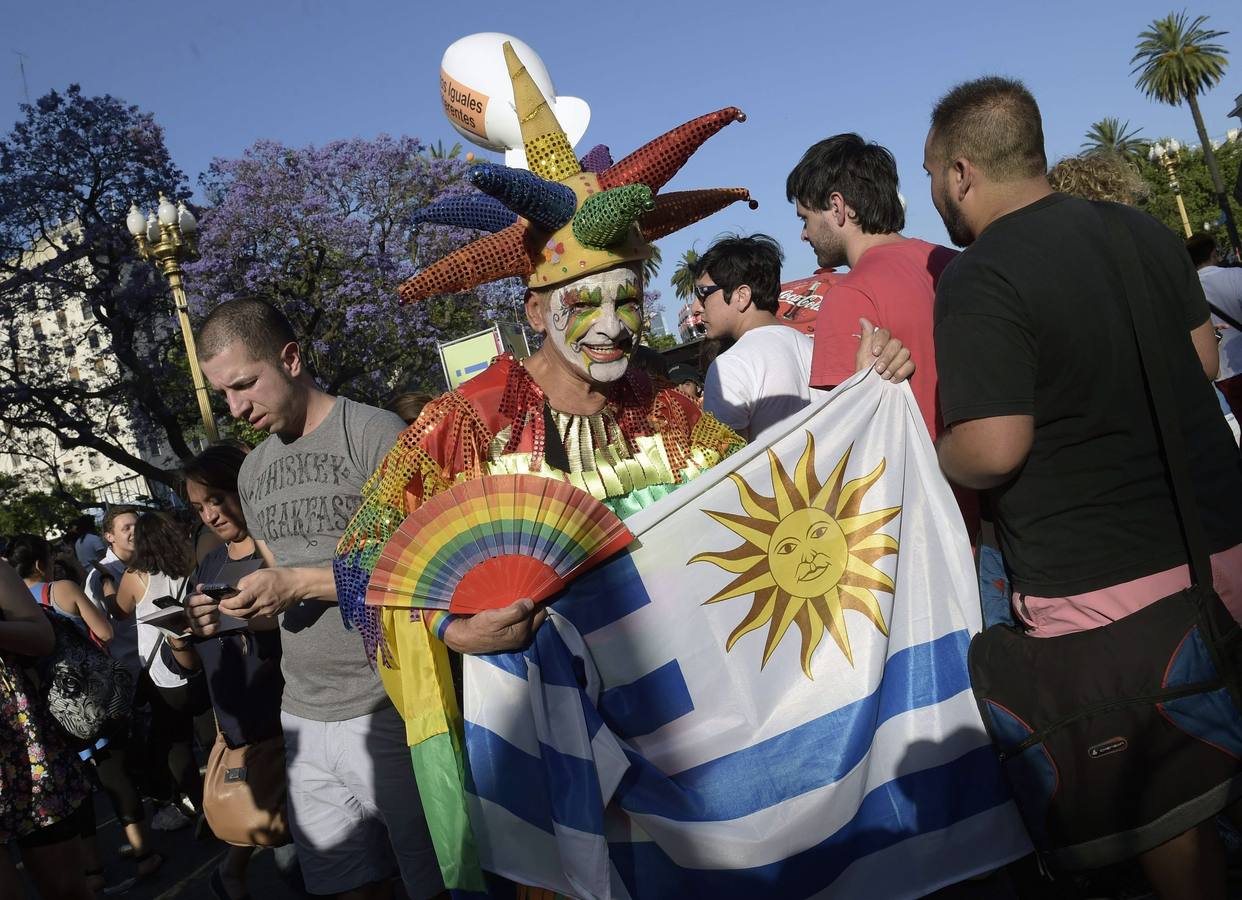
166	238
1165	153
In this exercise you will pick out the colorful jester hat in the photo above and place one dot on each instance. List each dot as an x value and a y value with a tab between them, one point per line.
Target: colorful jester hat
567	218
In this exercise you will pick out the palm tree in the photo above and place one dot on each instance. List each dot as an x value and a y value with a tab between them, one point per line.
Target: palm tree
683	275
1111	135
1175	60
651	265
437	151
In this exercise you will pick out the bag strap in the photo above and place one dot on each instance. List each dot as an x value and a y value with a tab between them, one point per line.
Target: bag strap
1156	372
45	594
1224	316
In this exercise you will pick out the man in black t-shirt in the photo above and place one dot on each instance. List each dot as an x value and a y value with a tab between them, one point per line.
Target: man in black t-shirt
1043	396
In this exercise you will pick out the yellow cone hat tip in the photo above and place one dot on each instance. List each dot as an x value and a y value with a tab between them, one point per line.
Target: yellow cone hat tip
548	152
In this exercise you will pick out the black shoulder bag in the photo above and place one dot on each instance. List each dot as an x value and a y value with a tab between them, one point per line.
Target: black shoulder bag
1117	739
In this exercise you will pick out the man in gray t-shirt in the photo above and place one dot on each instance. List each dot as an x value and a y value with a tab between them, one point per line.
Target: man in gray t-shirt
298	495
354	810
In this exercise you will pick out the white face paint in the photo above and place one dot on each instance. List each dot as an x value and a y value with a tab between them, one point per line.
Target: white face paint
595	322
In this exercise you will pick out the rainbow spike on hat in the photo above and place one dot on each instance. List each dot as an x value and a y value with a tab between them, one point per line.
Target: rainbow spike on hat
571	217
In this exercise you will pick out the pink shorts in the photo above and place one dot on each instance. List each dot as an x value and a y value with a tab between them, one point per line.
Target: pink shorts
1052	616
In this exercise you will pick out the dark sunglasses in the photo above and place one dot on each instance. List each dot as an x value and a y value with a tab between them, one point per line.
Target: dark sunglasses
703	291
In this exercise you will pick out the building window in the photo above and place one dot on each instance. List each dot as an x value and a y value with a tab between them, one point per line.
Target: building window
94	462
68	348
101	366
86	310
73	374
37	328
93	339
61	319
18	366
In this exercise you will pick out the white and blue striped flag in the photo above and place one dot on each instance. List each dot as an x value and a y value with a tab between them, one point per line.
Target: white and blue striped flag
765	696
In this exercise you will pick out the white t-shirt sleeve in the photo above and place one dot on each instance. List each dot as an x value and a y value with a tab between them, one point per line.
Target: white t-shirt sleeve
728	393
1230	299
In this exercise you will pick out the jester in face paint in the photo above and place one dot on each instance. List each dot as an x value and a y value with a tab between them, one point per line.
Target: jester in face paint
596	321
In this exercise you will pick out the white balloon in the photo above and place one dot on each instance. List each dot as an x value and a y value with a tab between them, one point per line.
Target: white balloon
478	95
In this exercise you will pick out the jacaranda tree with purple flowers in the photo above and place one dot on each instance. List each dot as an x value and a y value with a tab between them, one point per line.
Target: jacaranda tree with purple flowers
322	233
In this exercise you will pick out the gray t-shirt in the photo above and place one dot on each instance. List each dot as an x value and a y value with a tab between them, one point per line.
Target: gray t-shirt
298	496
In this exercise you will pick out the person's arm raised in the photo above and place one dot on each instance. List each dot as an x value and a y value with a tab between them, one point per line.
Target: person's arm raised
69	596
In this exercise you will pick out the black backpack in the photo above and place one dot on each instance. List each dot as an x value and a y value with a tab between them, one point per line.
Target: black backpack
85	688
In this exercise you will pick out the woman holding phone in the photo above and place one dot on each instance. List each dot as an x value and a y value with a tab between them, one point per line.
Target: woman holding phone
242	667
161	566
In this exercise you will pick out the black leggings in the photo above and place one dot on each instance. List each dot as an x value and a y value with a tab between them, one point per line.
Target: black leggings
172	739
112	767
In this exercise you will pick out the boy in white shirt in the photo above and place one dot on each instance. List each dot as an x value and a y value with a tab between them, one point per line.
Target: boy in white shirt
765	376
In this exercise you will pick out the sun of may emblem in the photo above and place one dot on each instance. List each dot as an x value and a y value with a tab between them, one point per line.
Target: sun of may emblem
807	555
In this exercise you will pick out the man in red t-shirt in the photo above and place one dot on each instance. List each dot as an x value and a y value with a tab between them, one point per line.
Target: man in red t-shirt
845	192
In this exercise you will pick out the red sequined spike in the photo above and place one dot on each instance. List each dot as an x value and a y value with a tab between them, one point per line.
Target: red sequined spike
496	256
655	163
677	209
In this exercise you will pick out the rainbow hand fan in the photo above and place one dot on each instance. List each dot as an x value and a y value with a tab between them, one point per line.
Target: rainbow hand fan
485	543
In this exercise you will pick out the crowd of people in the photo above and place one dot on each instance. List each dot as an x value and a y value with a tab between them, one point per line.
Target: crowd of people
1020	351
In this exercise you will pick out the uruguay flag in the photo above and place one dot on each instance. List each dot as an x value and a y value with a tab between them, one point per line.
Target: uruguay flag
766	695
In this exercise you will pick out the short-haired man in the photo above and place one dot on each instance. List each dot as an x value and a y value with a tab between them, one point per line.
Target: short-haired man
103	575
1223	288
353	802
844	190
765	376
1041	392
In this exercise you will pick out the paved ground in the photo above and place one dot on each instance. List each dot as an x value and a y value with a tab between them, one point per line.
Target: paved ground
187	868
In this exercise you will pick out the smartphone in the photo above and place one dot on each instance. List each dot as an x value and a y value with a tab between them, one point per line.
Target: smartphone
219	591
165	602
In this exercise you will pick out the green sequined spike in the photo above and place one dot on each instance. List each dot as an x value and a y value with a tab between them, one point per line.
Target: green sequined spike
605	218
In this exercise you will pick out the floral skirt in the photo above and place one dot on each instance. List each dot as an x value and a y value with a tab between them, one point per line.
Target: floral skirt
42	780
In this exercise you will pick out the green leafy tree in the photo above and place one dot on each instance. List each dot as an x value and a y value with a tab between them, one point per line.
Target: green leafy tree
660	342
1198	191
26	510
1111	135
1176	60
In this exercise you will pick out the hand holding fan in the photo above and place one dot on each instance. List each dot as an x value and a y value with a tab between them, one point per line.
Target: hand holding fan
485	543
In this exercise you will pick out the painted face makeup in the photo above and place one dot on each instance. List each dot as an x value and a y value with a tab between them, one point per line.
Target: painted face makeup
595	322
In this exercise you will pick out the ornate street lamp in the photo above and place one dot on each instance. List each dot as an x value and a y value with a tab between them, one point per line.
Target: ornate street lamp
1166	154
166	238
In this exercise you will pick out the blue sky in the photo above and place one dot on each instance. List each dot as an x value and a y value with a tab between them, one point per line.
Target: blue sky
220	75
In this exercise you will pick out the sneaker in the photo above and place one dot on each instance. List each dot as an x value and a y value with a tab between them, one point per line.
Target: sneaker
169	818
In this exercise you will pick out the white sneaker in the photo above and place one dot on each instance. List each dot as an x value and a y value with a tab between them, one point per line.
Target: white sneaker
169	818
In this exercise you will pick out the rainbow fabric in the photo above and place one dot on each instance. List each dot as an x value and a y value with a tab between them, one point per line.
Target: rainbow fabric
485	543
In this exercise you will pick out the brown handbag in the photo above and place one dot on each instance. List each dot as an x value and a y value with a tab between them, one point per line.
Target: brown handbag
244	793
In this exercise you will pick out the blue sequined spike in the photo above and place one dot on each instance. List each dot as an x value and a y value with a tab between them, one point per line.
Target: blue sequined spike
597	159
472	210
545	204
